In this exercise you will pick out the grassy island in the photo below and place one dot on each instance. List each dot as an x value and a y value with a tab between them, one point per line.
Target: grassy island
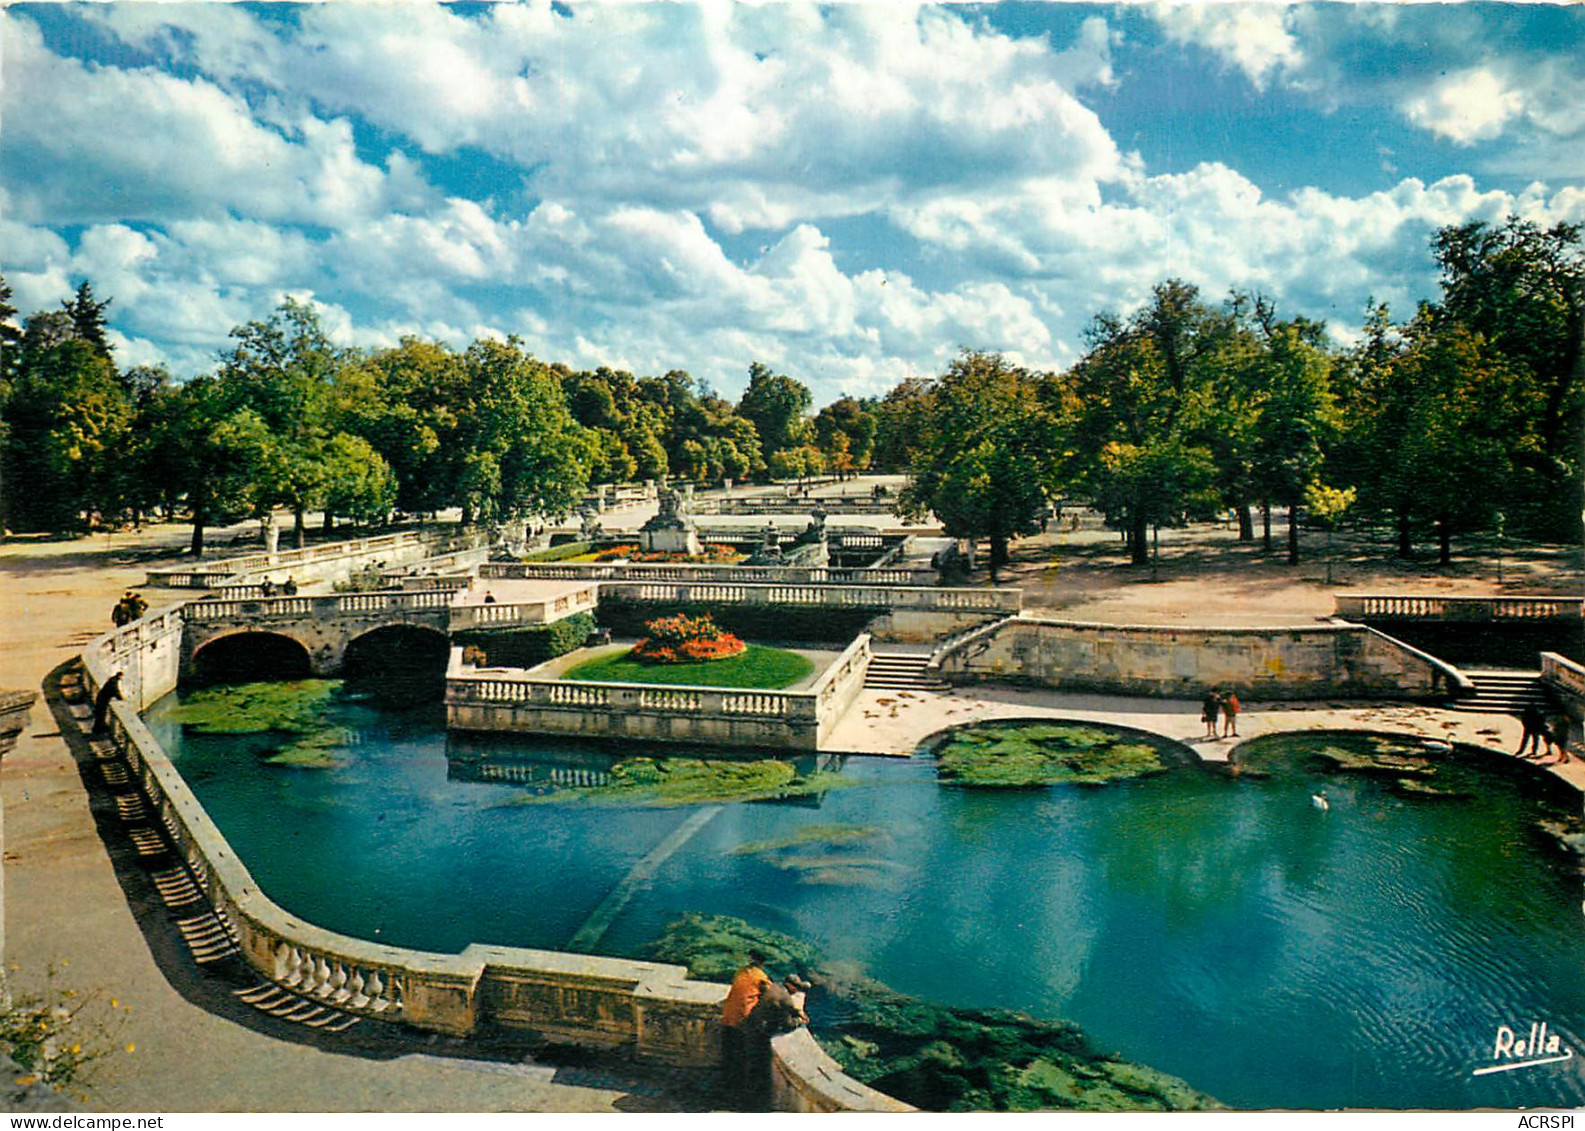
1025	755
759	667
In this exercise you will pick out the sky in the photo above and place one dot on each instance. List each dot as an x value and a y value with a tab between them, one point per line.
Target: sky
850	194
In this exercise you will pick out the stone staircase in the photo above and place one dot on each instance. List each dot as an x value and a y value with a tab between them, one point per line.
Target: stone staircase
901	671
1502	692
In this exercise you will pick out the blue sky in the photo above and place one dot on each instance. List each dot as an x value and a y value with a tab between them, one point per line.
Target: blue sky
848	193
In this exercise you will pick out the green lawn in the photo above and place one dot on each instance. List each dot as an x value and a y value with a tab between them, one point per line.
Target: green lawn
760	667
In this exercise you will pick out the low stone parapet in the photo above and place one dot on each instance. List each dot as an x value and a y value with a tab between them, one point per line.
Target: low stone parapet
512	701
1257	663
804	1078
1437	607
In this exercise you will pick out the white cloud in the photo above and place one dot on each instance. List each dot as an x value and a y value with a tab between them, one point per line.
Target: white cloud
1466	107
87	142
1256	38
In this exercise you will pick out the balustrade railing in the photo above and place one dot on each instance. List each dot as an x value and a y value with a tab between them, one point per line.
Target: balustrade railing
922	598
1564	673
342	604
1450	608
222	570
642	571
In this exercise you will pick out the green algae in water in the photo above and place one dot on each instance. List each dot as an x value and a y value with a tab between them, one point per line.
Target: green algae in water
934	1056
1029	755
829	854
1405	766
695	781
300	708
832	834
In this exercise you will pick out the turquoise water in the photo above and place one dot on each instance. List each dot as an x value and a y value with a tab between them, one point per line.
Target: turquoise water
1223	930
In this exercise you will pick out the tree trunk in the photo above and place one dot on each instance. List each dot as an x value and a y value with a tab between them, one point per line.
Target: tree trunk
998	554
299	528
467	515
1444	542
196	548
1265	525
1138	540
1405	550
1246	523
330	522
1293	533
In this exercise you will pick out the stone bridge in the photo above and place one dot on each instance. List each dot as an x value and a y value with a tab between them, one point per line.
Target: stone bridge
325	626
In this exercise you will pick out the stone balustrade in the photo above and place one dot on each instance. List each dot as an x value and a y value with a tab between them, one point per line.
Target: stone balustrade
1356	607
500	699
507	614
1563	674
647	571
312	559
926	598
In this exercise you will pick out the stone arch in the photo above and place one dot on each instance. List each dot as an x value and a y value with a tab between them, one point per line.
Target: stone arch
405	661
249	655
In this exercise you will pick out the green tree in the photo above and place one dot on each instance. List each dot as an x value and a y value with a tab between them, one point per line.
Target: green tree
68	418
88	318
1521	288
359	484
216	449
1297	416
522	452
988	455
845	434
284	368
776	405
1146	407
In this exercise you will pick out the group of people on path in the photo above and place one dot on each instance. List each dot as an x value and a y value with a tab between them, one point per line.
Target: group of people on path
1539	738
131	607
1220	705
757	1009
288	587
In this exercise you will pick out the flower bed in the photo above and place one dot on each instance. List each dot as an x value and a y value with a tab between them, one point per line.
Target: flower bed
686	640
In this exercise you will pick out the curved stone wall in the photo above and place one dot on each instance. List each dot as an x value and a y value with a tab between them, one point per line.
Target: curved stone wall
652	1010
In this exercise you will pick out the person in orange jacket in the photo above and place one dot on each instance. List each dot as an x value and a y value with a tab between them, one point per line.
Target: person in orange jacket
736	1053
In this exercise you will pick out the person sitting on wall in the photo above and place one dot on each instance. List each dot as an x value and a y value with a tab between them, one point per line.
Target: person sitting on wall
138	606
268	587
489	598
122	613
290	588
110	690
737	1056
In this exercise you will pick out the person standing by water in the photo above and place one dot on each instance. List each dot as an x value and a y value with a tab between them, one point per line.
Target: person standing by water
737	1054
1230	709
110	690
1210	706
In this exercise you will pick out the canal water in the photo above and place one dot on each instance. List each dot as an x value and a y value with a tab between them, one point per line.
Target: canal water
1222	929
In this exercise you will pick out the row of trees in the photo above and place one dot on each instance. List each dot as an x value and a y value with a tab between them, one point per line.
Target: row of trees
287	419
1469	413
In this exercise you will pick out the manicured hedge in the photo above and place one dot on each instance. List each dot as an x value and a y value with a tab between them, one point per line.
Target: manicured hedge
793	624
525	647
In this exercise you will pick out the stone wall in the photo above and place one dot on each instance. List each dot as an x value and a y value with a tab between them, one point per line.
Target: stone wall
1335	660
804	1078
508	700
326	562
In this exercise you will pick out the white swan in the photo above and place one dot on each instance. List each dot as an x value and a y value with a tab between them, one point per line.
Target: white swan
1319	800
1438	745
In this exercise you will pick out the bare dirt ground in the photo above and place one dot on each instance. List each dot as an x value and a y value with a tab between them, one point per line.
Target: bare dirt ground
1203	575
